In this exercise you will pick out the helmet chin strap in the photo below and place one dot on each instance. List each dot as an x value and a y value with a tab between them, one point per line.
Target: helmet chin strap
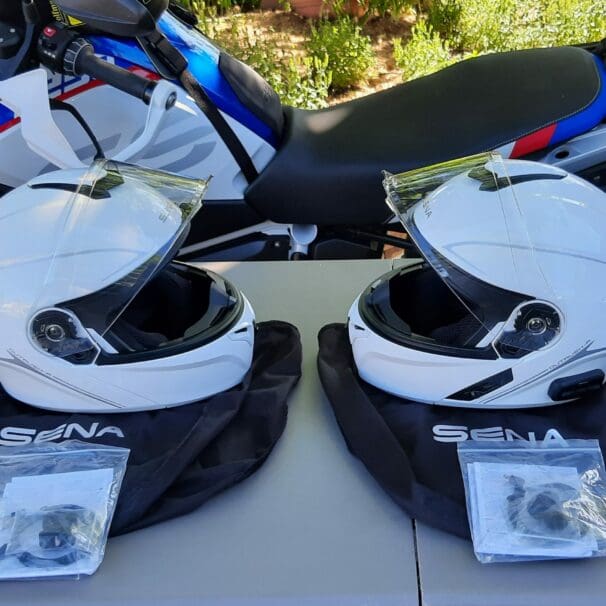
171	64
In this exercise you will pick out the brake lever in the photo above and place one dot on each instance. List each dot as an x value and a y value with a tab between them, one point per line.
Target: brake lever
27	96
163	98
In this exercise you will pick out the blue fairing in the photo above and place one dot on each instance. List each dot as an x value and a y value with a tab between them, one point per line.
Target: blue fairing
203	58
587	119
5	114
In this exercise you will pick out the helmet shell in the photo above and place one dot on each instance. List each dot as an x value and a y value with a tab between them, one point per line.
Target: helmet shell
504	312
75	256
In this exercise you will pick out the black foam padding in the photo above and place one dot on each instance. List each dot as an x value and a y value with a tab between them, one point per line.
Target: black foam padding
328	169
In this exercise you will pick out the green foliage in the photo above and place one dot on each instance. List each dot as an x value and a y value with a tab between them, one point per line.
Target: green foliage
303	82
373	8
299	81
204	7
351	58
444	17
384	8
423	54
499	25
338	55
573	21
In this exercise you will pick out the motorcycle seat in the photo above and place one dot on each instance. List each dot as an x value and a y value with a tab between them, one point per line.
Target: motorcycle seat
327	169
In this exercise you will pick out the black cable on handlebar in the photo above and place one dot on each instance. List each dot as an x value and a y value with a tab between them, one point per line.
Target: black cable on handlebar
58	105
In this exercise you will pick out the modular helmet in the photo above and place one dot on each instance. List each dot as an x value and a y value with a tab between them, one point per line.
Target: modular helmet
95	313
505	308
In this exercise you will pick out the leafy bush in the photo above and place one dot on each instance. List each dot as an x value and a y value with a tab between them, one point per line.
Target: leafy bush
383	8
299	81
444	17
572	21
371	8
423	54
303	82
222	7
498	25
351	58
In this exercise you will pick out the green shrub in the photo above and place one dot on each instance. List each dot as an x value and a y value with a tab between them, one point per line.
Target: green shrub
351	59
444	17
385	8
423	54
222	7
498	25
302	82
573	21
299	81
480	25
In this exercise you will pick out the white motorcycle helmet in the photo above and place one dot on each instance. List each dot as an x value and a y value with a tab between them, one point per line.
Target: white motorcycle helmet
95	315
506	308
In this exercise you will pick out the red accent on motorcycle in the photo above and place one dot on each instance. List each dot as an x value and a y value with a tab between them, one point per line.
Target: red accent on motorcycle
141	71
82	89
533	142
9	124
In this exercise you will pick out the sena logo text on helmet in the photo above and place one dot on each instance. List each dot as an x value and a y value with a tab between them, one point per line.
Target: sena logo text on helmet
460	433
20	436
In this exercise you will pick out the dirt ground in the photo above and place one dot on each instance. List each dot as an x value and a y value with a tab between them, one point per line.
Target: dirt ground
290	31
381	31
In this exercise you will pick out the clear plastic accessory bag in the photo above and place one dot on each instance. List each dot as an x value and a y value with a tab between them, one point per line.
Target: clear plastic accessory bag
56	507
535	501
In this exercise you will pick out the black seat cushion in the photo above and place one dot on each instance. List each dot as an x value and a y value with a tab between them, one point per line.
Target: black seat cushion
328	170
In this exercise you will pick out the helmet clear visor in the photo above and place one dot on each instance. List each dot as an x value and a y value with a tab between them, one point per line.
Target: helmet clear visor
466	220
120	225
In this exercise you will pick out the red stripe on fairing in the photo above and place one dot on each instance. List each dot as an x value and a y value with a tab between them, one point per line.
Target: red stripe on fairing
9	124
82	89
533	142
72	93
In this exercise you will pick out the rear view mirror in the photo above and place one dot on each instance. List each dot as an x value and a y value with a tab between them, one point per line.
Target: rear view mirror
127	18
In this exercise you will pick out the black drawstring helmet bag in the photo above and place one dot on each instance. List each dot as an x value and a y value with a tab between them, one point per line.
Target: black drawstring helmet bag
180	457
411	448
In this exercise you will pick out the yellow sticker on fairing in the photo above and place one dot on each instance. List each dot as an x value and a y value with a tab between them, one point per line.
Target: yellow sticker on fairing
61	17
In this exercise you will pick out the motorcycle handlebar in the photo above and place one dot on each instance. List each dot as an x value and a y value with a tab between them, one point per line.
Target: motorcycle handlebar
84	62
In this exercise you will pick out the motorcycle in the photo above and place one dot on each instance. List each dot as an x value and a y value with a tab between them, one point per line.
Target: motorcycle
287	183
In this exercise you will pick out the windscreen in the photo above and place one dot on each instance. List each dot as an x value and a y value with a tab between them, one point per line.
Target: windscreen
118	228
468	224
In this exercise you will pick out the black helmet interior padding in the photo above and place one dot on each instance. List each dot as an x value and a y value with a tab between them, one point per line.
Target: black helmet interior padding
465	332
178	303
415	301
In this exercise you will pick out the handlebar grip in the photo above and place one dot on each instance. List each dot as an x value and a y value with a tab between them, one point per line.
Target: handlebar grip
80	59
